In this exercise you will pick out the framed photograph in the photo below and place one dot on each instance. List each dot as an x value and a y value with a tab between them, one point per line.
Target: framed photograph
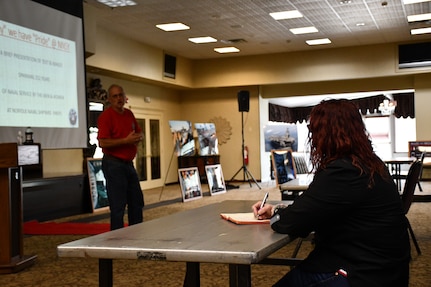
182	136
281	136
207	137
99	195
190	183
215	179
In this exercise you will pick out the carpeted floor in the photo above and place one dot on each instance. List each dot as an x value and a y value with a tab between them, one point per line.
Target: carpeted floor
50	271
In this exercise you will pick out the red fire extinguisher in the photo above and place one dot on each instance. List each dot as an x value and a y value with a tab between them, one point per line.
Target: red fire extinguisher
246	155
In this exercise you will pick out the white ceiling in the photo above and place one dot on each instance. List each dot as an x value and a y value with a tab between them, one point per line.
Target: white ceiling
247	25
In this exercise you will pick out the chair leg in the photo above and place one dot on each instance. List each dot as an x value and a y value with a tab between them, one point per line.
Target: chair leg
297	247
413	238
296	250
419	185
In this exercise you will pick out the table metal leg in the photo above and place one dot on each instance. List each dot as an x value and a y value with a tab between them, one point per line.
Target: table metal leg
239	275
193	278
105	273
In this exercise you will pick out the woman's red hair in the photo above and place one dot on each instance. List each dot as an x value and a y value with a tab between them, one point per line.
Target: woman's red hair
336	130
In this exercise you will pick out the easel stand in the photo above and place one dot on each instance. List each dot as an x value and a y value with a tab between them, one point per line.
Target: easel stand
167	172
246	173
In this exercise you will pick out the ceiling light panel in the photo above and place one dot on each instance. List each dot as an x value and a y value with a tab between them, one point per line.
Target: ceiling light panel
420	31
286	15
202	40
419	17
225	50
415	1
173	27
318	42
304	30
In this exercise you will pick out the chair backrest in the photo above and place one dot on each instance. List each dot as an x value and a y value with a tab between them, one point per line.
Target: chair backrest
421	158
410	185
300	164
283	165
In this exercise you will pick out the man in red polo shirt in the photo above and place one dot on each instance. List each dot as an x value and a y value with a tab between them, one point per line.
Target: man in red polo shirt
119	135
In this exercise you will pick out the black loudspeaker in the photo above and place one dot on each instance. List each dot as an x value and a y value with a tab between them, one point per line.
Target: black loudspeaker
170	66
244	101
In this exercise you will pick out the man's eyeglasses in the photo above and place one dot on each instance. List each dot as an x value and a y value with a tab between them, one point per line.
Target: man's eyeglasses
119	95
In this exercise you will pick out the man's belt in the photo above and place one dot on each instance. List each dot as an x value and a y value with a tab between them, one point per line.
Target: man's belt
114	158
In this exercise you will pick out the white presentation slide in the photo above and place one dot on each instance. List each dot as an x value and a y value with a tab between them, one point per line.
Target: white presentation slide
38	79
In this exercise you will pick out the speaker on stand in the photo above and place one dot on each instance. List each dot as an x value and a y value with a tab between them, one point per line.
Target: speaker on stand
243	101
244	106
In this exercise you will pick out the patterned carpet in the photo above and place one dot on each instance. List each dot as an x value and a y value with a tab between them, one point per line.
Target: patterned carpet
50	271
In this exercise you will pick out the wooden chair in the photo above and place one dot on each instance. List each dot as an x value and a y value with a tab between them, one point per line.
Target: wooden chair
403	176
285	169
412	180
301	165
422	157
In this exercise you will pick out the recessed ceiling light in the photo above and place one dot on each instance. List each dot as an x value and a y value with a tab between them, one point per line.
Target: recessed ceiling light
173	27
345	1
117	3
226	50
286	15
304	30
318	41
201	40
419	17
360	24
414	1
420	31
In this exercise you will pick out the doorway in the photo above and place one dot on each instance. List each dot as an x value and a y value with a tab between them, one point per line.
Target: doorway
148	158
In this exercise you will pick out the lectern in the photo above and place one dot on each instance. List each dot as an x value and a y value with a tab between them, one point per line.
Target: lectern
12	258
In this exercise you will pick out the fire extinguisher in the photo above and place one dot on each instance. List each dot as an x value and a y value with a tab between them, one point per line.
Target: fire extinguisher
246	155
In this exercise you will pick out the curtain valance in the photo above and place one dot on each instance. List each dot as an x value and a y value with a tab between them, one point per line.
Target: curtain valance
405	108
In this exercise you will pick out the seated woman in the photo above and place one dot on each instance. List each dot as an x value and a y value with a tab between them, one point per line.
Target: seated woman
352	205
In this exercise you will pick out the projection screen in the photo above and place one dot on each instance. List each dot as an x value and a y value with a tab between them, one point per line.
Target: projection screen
42	75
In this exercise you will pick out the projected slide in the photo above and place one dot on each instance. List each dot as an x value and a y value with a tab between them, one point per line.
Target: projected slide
39	84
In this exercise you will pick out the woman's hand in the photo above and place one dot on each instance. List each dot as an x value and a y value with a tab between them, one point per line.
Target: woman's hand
262	213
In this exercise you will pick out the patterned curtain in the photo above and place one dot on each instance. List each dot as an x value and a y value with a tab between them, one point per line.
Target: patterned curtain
405	105
405	108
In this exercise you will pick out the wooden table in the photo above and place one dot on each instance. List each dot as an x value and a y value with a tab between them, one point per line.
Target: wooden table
192	236
394	165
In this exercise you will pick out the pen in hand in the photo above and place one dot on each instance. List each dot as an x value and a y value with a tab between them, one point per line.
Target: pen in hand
265	198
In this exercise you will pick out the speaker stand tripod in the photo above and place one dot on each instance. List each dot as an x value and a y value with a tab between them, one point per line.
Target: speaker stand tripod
246	173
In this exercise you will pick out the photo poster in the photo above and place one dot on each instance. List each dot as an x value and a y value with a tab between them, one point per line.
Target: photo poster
182	135
207	137
99	195
284	166
215	178
281	136
190	183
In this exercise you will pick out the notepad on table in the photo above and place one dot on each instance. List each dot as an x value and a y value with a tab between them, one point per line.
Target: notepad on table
243	218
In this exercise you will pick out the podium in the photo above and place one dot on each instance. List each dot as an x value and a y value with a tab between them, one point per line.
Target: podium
12	258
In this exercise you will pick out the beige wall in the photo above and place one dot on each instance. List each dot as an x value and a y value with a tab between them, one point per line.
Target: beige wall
120	55
204	89
201	106
62	162
422	107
